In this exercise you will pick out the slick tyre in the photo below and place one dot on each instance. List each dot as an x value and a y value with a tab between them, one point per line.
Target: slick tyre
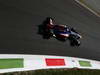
78	43
75	42
46	36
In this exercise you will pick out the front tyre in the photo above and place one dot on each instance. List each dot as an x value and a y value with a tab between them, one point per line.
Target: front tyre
78	43
74	41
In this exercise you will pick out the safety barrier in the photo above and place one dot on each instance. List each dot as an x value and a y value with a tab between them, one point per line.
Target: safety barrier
12	63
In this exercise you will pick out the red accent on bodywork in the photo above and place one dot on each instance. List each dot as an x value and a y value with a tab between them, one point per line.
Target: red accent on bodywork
61	36
49	26
55	62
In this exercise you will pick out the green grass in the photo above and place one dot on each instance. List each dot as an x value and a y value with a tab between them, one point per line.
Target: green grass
11	63
74	71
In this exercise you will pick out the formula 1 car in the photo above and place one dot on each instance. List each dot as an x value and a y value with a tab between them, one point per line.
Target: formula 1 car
60	32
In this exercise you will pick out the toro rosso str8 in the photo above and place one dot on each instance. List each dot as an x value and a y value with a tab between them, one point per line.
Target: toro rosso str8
60	32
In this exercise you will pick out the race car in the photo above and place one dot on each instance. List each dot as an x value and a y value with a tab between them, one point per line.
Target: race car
60	32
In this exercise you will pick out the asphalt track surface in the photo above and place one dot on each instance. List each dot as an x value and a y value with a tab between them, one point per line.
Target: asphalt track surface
19	20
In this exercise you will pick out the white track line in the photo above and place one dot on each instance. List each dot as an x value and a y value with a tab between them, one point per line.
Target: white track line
91	10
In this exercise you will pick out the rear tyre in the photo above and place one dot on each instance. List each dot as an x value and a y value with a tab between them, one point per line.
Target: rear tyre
47	34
